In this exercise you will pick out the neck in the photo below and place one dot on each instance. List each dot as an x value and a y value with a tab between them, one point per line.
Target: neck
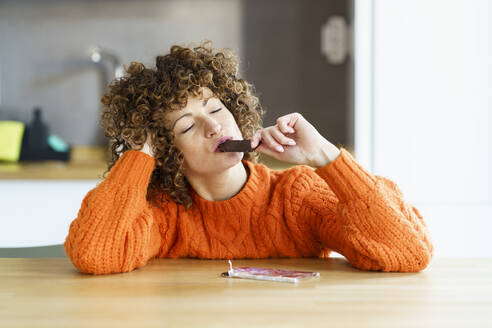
220	186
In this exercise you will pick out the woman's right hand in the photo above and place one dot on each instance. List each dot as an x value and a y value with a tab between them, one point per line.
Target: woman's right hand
146	148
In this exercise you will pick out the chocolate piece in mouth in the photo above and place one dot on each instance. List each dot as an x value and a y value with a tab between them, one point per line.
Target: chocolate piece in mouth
236	146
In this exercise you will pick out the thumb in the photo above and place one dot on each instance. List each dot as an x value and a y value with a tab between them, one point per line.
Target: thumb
255	140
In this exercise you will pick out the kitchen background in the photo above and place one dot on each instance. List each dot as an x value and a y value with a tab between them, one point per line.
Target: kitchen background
60	55
405	86
49	52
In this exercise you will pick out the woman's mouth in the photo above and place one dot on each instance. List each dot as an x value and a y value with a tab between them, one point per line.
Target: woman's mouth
220	141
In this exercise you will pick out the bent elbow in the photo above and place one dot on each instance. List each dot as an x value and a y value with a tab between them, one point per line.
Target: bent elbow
424	258
91	262
417	260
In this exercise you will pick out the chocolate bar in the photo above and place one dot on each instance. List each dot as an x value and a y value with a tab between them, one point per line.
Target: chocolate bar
237	146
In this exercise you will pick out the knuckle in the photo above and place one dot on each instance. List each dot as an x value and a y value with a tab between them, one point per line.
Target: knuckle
282	119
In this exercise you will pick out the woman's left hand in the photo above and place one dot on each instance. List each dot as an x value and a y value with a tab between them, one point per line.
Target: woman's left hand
309	147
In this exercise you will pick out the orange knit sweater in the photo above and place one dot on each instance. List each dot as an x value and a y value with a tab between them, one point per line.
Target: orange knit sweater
298	212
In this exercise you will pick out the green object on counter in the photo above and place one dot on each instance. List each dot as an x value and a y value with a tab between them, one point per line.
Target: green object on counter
11	133
57	144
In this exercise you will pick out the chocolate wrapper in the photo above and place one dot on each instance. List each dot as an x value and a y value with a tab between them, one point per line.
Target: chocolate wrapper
280	275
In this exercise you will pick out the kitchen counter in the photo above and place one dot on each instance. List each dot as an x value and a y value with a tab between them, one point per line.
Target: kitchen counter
191	293
86	163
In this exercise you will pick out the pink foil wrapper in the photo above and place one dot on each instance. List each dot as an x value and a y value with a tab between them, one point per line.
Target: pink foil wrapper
280	275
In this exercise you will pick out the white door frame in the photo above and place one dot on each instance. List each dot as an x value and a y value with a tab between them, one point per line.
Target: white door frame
364	83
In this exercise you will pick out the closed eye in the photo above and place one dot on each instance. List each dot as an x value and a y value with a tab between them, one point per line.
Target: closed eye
188	129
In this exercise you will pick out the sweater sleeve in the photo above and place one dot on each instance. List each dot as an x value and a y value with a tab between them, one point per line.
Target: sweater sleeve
114	230
366	219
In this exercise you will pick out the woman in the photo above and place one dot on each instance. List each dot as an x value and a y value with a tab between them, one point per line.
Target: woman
171	194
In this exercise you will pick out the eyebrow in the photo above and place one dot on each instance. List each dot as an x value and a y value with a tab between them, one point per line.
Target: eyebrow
204	103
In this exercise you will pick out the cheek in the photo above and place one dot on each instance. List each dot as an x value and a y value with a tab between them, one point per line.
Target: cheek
190	149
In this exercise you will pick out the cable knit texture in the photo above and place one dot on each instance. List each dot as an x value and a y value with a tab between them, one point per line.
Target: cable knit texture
297	212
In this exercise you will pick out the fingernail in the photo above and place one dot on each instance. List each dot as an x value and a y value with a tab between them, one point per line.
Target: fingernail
291	130
280	148
292	142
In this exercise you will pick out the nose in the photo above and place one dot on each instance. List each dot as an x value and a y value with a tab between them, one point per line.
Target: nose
213	128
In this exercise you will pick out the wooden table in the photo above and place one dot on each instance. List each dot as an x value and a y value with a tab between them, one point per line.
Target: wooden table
191	293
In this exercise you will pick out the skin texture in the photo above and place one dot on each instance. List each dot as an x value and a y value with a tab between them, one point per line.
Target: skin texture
294	140
213	175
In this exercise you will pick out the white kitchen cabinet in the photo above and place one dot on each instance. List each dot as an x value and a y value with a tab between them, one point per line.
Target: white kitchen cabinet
39	212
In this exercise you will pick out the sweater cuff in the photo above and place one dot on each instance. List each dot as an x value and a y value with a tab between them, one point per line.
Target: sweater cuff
132	168
347	178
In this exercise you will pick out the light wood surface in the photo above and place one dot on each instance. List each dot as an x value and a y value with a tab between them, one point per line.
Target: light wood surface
86	163
191	293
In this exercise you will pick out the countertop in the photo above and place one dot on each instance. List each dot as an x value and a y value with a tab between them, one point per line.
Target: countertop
86	163
192	293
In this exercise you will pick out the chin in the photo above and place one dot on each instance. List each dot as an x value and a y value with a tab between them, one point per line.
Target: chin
219	163
231	158
228	160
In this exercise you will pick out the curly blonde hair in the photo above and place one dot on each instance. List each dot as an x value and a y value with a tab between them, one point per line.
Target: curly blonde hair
136	104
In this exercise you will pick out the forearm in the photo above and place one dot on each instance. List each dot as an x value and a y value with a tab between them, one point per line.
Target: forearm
372	224
114	219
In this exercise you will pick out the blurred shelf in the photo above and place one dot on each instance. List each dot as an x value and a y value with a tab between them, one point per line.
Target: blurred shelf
87	163
274	164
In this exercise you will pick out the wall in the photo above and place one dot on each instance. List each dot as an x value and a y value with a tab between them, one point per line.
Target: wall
44	57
